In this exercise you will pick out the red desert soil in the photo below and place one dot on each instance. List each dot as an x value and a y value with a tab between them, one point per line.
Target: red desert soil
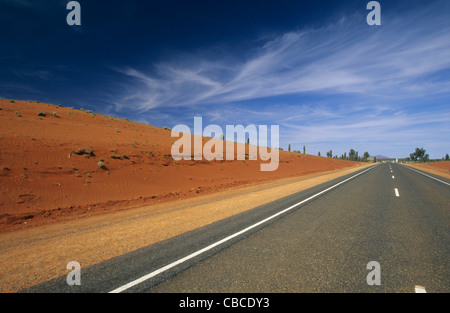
441	168
43	181
57	206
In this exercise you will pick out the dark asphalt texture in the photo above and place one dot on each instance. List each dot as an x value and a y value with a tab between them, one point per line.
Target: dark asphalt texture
321	246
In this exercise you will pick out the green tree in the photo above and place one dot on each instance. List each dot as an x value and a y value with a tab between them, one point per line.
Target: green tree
366	156
289	148
304	150
447	157
352	155
320	155
420	155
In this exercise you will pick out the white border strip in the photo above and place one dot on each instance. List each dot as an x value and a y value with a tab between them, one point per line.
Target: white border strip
427	175
193	255
420	289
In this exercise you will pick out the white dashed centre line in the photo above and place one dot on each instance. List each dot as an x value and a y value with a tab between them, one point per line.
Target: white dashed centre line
396	192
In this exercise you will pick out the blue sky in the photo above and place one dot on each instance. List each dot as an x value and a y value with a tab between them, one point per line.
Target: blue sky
315	68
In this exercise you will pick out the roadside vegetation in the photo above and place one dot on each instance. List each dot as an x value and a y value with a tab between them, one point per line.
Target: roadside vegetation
353	155
420	155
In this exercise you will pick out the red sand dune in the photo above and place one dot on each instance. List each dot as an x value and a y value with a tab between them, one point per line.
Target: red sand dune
42	179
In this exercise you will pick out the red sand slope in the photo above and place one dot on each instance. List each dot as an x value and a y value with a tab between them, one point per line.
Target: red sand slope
42	179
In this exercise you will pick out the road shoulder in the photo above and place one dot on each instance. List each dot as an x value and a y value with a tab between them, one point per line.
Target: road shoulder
36	255
435	171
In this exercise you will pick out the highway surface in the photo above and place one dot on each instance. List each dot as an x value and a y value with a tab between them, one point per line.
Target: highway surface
382	229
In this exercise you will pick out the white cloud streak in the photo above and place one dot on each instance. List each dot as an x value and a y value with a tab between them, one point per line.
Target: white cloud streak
341	58
386	69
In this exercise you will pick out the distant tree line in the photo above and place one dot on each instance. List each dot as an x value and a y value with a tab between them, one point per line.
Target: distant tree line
297	151
352	156
421	155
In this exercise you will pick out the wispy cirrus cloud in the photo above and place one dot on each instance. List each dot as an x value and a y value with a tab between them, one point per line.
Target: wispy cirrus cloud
341	58
344	82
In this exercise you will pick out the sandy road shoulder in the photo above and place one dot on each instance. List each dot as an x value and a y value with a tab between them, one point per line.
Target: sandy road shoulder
426	168
36	255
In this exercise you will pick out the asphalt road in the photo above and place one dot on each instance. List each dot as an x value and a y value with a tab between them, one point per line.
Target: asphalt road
318	240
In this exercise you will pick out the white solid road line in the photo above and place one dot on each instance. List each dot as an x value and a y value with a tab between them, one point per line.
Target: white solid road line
428	176
193	255
396	192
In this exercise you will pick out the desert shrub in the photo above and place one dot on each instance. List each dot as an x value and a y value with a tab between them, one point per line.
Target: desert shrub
89	152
